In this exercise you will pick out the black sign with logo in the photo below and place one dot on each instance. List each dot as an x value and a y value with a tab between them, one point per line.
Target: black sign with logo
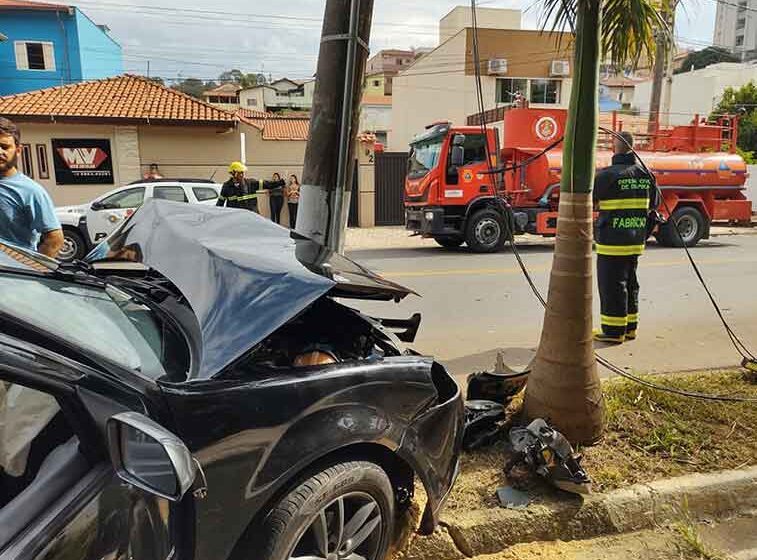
82	162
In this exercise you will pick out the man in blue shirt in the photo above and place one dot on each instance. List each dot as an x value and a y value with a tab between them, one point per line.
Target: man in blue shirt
27	214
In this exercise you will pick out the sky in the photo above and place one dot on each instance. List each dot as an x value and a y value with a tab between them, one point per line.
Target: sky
181	39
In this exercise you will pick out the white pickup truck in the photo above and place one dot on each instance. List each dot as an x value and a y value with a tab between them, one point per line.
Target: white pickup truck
84	225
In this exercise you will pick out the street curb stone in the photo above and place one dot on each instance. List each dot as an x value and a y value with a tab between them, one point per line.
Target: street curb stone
642	506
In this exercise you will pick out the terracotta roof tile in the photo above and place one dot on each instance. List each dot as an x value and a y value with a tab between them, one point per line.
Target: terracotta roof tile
127	97
27	5
274	127
223	89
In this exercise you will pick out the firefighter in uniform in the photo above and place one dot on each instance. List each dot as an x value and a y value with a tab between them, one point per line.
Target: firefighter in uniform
625	195
242	192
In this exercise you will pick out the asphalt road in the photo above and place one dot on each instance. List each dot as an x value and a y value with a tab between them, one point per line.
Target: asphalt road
473	305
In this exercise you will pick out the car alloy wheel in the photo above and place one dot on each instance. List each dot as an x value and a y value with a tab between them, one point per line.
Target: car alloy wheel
349	528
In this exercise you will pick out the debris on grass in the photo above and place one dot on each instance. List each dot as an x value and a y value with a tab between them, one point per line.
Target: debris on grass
650	435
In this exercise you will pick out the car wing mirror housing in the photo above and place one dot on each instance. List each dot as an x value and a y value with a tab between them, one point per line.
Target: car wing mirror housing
150	457
457	157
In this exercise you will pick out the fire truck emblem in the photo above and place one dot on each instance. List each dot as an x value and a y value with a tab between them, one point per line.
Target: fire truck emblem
546	128
467	175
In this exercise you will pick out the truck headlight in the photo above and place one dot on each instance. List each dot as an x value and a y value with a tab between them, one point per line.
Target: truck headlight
430	216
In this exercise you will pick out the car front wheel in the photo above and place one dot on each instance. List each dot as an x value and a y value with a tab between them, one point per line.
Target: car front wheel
73	246
344	512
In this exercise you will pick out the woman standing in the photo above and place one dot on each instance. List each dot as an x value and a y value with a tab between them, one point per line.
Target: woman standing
276	196
293	199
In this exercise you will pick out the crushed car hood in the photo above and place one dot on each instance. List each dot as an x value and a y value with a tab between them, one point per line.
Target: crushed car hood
243	275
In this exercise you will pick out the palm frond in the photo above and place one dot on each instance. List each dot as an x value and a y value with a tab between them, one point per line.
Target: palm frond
629	27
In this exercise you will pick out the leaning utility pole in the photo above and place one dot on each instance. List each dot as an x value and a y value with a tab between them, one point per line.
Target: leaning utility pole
667	91
330	152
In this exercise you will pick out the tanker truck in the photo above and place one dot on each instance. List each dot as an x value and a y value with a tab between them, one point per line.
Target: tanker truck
451	193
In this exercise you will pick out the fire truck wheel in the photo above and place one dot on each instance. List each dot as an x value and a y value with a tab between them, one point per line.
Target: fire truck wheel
485	232
449	242
691	226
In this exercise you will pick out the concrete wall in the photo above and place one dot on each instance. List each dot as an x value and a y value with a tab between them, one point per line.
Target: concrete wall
375	118
42	26
370	86
697	92
34	134
426	92
487	18
751	186
100	55
257	94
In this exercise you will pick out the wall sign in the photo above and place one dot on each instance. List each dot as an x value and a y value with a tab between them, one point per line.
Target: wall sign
82	162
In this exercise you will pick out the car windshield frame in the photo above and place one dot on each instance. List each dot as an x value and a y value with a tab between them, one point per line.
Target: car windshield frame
119	309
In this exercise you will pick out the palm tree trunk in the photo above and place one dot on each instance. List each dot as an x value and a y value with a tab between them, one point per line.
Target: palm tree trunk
563	386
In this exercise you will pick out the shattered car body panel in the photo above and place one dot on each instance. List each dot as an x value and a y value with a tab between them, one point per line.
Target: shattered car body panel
254	420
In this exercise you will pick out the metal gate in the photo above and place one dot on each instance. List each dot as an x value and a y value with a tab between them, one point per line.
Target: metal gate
390	187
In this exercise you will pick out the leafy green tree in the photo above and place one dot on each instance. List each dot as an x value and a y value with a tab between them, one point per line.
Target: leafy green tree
705	57
564	384
743	102
191	86
238	77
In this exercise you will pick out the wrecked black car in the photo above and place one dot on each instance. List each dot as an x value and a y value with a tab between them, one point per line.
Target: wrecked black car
206	357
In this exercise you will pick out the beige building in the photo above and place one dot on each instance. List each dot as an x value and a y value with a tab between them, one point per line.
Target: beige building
225	96
280	95
441	85
486	18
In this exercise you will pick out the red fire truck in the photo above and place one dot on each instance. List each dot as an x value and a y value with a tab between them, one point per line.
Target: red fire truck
451	197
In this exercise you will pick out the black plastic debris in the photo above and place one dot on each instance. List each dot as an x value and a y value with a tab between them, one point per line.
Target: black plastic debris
482	423
545	451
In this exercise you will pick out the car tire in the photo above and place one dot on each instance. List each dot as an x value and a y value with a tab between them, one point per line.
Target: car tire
485	232
367	501
691	225
449	242
74	247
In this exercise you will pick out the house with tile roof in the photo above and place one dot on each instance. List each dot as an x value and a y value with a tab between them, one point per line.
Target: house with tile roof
280	95
136	122
52	44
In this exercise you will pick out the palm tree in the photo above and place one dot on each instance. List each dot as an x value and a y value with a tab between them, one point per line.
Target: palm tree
564	386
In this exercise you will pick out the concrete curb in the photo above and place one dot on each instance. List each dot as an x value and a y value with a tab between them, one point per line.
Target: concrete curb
700	496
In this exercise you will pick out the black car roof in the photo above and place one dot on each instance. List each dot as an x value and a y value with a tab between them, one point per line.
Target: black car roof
243	275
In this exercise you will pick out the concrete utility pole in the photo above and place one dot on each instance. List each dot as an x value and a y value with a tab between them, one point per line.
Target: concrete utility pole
667	88
663	50
330	153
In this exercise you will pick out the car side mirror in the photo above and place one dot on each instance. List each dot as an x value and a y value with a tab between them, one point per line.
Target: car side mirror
457	156
97	205
150	457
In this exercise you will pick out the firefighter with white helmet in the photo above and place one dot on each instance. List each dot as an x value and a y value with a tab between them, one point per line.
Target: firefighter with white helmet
242	192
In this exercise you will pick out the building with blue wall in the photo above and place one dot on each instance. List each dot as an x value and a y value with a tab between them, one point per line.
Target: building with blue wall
51	45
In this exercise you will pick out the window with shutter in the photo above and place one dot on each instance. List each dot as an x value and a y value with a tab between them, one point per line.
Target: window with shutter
22	62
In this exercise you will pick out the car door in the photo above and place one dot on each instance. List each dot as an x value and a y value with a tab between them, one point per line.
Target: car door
60	496
106	214
207	195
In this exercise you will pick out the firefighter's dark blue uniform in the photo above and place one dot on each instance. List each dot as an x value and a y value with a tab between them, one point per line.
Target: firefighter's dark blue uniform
624	194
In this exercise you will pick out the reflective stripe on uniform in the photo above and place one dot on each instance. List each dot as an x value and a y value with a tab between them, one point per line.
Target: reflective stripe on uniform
633	317
624	204
247	197
620	250
613	321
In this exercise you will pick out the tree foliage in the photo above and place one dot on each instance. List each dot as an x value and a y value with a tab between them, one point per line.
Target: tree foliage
741	101
193	87
705	57
243	80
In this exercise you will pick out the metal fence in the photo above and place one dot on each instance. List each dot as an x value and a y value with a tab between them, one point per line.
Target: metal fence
390	187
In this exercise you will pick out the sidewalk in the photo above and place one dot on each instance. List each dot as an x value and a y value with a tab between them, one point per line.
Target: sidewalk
397	237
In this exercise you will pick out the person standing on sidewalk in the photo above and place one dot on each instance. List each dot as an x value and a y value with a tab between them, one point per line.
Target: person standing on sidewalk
27	214
242	192
293	199
276	198
624	194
